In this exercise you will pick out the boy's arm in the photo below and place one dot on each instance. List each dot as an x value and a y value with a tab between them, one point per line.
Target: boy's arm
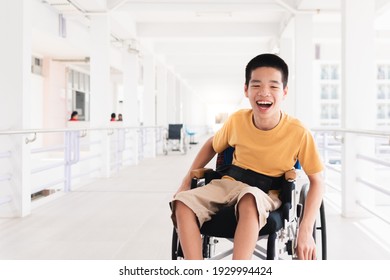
205	154
306	248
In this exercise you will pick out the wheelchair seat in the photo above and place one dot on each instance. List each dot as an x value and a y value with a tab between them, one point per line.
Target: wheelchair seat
224	223
281	227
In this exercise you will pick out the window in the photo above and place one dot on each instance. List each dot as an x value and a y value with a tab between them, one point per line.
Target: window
383	94
329	93
78	89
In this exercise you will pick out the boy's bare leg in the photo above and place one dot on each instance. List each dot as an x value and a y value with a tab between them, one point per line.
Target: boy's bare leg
188	231
247	230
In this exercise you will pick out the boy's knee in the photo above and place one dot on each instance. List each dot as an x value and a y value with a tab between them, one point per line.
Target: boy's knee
247	204
181	209
183	215
179	206
248	200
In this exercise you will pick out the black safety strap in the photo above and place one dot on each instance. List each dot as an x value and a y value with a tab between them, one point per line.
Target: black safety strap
252	178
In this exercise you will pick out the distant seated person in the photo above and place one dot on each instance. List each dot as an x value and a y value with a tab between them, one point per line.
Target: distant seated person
74	116
120	118
113	117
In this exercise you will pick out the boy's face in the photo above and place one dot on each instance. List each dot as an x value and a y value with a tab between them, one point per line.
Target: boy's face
265	92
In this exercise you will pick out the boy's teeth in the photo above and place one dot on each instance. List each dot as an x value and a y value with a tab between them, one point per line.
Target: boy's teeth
264	102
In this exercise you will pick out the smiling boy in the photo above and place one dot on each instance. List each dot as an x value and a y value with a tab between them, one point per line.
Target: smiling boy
267	141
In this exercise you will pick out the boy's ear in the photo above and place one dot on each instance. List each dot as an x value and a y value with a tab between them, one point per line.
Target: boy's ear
246	90
285	91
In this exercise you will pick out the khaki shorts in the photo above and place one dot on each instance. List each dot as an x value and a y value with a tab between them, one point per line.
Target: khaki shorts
206	201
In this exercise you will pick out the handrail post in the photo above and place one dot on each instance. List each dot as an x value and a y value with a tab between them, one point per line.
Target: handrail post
134	145
349	185
15	166
141	137
325	152
353	192
67	162
366	147
71	156
120	147
159	140
149	142
105	146
21	162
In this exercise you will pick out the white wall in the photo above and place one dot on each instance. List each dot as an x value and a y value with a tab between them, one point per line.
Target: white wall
332	51
382	50
36	101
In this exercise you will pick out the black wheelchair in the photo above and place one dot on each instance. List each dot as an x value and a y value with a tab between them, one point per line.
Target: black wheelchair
175	139
277	239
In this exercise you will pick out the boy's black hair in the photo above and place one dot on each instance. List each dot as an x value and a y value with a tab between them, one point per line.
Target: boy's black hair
267	60
74	113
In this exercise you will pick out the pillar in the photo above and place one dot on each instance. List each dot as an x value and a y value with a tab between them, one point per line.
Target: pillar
286	52
15	69
358	97
162	96
304	55
130	102
179	103
171	95
100	109
149	106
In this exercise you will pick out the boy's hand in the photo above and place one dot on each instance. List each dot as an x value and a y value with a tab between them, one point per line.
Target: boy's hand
306	246
182	189
185	185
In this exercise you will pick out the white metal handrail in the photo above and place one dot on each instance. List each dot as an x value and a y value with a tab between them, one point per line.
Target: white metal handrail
85	130
373	186
366	132
5	154
47	167
76	151
48	149
373	160
370	159
5	177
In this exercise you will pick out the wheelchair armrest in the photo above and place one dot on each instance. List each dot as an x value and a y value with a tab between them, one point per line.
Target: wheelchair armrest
199	173
203	176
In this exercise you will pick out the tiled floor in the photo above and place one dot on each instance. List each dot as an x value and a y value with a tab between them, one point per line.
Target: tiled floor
127	217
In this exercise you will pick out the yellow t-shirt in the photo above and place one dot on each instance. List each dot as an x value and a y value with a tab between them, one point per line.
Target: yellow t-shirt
270	152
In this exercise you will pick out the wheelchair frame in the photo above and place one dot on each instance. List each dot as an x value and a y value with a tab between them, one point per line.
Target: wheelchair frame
174	139
280	243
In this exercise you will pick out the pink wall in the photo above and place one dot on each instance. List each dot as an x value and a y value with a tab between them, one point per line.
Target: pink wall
54	99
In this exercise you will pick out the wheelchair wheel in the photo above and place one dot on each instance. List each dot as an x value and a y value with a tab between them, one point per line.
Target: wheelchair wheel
323	231
175	244
177	252
320	223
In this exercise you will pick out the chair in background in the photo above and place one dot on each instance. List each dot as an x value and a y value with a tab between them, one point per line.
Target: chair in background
191	134
175	139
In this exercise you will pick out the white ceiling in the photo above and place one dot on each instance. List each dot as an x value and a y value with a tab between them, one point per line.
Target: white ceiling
206	43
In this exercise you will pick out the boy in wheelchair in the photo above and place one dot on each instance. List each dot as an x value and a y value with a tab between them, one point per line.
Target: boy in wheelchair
266	141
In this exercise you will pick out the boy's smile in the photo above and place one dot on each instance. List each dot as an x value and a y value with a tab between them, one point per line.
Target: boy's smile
264	104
